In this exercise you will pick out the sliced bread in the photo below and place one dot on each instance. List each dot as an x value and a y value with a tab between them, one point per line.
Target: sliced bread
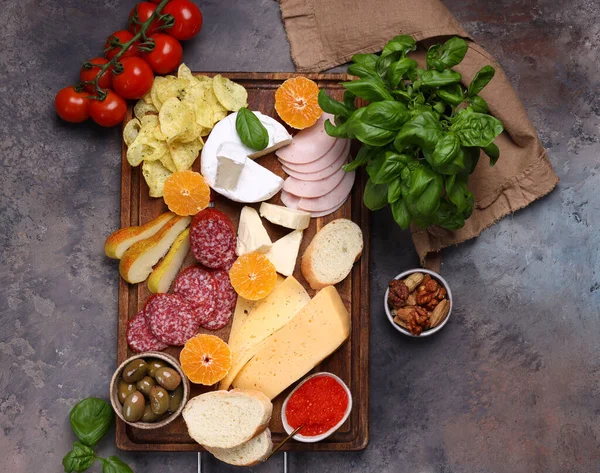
249	453
227	419
331	254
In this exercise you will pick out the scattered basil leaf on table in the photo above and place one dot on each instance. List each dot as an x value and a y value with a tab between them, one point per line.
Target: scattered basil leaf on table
90	419
114	465
250	130
80	458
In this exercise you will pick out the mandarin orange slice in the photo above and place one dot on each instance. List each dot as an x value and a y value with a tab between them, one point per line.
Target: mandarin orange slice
205	359
296	102
253	276
186	193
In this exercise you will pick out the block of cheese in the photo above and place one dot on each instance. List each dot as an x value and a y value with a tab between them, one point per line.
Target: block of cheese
252	235
231	159
266	318
289	218
284	252
312	335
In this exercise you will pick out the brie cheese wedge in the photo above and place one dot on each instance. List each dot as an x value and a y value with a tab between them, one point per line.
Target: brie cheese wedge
252	235
284	253
231	159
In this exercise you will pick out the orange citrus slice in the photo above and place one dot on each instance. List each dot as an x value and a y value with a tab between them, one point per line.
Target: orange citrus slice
253	276
296	102
186	193
205	359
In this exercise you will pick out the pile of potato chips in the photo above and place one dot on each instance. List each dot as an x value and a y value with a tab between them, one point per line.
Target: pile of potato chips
170	121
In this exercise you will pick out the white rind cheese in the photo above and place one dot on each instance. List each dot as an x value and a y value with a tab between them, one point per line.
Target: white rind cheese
284	252
231	159
284	216
252	235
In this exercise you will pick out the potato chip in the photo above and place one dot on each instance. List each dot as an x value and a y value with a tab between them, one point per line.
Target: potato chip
147	98
167	161
158	134
231	95
141	108
131	131
154	91
184	72
203	79
184	154
192	133
172	88
145	147
155	175
175	118
149	121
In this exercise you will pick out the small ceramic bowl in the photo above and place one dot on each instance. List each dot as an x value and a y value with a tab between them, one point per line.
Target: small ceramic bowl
114	388
425	333
315	438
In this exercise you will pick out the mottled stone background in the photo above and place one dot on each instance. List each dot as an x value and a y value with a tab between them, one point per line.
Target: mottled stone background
511	385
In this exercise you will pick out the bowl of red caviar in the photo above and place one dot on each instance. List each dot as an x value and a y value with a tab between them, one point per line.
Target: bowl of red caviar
321	403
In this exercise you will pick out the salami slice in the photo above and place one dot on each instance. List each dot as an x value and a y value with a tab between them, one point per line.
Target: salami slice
212	238
139	335
226	300
197	286
171	318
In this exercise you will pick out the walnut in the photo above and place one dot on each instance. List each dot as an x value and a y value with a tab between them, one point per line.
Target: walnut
427	293
414	318
398	294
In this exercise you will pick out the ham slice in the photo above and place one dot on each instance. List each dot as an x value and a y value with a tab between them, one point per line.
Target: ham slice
324	203
341	148
312	189
289	200
330	211
309	144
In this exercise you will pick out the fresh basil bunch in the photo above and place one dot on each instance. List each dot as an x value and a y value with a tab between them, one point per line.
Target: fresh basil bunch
422	133
90	420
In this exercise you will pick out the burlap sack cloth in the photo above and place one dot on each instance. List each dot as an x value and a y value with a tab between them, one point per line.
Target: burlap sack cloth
326	33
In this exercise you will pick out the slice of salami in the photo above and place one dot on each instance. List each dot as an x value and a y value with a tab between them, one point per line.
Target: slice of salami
139	335
197	286
171	318
226	300
212	238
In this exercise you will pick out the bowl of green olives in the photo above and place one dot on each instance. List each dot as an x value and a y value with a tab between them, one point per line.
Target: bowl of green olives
149	390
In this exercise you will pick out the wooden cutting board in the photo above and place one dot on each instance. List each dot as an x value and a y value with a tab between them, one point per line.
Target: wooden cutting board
350	362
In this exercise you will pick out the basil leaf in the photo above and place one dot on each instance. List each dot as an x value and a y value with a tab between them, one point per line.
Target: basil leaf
481	79
397	70
340	131
368	128
476	129
420	179
363	72
453	51
437	78
401	214
363	156
388	114
493	152
367	60
423	130
384	63
433	58
445	150
80	458
375	196
114	465
447	216
478	104
451	94
460	164
401	43
250	130
90	419
429	201
349	100
459	195
394	191
334	107
389	168
374	167
368	89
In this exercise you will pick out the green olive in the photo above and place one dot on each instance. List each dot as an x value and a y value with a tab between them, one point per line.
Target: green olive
175	398
159	400
167	378
133	407
125	389
154	364
145	384
135	371
148	415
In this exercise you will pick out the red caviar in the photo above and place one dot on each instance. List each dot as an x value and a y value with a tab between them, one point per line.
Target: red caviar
319	404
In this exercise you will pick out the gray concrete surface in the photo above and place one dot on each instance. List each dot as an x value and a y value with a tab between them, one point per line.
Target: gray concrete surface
511	385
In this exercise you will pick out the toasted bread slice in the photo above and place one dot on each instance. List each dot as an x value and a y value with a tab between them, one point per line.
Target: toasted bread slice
332	252
249	453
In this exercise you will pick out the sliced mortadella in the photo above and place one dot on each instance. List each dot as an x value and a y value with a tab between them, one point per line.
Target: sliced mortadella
329	211
317	176
312	189
341	148
309	144
329	201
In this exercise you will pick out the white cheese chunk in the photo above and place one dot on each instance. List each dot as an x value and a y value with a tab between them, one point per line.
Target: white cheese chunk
252	235
231	159
284	216
284	252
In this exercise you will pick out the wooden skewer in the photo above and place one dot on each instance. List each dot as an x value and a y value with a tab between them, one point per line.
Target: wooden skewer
281	444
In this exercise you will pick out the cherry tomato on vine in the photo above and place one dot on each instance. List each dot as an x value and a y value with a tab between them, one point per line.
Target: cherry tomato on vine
188	19
166	55
87	74
135	80
122	36
72	106
144	12
108	112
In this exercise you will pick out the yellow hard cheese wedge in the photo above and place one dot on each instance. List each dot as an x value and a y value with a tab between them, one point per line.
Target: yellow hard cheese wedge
267	316
312	335
161	278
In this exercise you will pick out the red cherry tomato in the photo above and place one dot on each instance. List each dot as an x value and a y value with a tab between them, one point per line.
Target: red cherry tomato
144	12
188	19
91	73
166	55
108	112
72	106
123	36
135	80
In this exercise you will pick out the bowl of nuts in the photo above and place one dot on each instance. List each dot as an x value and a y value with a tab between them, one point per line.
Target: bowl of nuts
418	302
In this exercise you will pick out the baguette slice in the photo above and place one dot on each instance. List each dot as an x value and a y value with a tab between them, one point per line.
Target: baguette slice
227	419
331	254
249	453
